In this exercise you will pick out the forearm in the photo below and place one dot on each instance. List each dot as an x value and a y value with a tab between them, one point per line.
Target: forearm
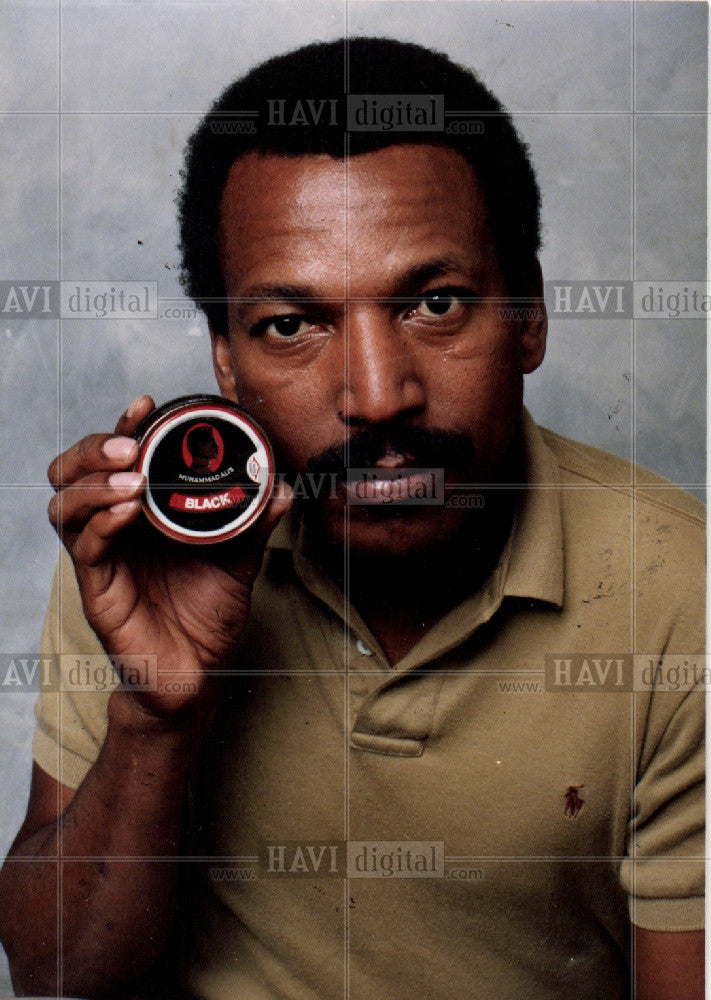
115	846
669	965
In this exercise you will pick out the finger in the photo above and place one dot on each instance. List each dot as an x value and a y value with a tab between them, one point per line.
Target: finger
137	411
281	500
94	453
243	556
71	508
92	545
257	535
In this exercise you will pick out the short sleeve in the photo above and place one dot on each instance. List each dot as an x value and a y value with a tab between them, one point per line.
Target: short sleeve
71	710
663	872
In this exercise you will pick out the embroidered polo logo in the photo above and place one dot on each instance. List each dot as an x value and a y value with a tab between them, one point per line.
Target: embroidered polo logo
573	802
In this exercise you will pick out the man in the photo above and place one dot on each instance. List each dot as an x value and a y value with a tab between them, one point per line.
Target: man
335	684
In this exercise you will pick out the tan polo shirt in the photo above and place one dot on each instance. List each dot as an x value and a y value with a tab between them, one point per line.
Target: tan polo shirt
478	820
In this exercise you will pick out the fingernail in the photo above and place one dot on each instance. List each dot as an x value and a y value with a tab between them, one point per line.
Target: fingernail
126	480
119	449
134	407
282	490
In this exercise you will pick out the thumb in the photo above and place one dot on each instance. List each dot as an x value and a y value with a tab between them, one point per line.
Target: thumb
242	556
281	500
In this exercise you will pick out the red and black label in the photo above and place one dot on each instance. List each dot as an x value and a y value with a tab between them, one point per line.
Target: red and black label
209	469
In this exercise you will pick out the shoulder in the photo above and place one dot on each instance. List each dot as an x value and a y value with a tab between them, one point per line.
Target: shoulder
654	497
632	535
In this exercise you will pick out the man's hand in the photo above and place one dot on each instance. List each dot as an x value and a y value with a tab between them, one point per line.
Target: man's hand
144	594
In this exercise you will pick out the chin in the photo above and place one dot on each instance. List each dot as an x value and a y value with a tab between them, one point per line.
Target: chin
395	532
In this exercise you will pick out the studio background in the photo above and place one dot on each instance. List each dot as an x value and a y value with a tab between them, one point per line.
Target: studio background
96	102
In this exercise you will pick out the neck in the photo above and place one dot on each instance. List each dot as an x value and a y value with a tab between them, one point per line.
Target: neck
401	598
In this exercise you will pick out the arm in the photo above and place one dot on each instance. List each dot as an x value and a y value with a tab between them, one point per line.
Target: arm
664	871
669	965
116	914
118	834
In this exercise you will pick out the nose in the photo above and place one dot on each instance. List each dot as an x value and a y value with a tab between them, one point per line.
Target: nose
381	381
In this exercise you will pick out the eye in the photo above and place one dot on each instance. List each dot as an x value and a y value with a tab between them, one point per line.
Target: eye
442	303
438	304
282	327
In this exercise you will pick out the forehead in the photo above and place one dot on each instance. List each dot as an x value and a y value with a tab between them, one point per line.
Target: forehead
311	214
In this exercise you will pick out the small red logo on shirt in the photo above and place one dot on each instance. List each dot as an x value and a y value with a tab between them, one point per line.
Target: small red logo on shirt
573	802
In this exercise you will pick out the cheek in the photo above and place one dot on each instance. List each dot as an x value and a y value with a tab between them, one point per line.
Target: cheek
290	406
476	380
261	385
270	373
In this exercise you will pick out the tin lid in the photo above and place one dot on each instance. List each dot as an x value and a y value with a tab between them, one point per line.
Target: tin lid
209	469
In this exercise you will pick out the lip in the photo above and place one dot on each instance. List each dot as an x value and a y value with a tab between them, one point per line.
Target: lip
394	460
387	491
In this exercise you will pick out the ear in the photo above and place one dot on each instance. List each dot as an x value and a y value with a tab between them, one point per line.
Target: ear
534	329
223	364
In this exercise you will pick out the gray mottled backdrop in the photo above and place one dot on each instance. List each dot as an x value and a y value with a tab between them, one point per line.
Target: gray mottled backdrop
96	102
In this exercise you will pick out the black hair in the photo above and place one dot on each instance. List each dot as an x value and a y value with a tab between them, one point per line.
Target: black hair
198	437
249	116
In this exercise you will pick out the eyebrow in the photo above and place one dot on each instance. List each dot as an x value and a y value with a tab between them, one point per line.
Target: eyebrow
413	279
421	274
276	293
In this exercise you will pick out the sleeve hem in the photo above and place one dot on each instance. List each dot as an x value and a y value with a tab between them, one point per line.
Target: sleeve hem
668	914
61	764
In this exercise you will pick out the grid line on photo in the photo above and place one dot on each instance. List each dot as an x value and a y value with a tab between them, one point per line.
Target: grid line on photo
346	525
632	840
622	487
239	114
60	438
554	859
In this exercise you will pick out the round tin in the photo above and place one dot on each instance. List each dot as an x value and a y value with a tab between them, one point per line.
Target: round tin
209	469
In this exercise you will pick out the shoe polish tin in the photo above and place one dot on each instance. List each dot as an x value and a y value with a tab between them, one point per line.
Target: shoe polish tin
209	469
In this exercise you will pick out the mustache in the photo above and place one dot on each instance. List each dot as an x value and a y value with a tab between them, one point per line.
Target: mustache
422	447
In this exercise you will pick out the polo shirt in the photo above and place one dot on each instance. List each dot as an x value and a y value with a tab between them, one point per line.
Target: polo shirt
480	819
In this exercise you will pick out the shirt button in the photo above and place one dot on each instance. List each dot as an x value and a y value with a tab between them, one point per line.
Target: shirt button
362	648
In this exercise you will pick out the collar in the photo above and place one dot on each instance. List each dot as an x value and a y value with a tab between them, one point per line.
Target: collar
536	563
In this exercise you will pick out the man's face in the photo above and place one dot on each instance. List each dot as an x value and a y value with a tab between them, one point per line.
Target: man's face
347	325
